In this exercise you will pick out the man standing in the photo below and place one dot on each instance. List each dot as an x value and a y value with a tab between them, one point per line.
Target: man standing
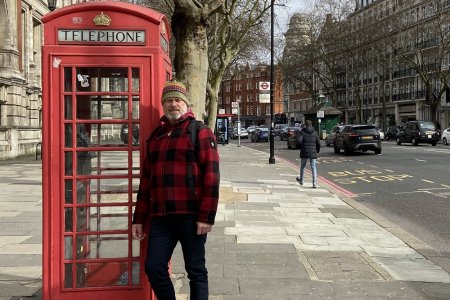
309	149
178	195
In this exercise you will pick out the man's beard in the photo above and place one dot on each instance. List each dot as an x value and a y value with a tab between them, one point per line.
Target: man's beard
171	116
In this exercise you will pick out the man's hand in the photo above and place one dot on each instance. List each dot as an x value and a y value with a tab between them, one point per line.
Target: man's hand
203	228
137	231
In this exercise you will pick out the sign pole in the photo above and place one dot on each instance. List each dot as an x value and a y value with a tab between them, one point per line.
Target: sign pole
239	124
272	134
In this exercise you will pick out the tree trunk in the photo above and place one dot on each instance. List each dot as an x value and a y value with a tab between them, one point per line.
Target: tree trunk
212	109
191	55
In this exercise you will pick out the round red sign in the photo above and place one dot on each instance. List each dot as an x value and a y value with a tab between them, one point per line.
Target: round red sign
264	85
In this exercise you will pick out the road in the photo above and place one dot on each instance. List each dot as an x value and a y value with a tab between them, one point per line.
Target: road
407	185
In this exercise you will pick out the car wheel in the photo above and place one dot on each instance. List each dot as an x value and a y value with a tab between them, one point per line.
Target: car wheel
414	142
327	144
288	145
378	151
336	149
433	144
444	140
398	141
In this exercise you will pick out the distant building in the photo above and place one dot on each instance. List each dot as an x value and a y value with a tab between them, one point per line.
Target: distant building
241	85
21	38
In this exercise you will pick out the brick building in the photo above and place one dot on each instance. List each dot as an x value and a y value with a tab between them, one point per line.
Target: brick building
242	85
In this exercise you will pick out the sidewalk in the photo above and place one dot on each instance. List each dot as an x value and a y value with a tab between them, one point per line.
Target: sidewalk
273	239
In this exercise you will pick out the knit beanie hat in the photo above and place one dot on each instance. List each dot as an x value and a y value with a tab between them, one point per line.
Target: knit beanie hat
175	89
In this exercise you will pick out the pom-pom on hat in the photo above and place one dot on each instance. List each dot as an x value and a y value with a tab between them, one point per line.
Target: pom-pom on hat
175	89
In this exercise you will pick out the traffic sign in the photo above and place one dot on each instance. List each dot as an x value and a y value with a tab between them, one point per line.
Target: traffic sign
264	92
234	104
264	86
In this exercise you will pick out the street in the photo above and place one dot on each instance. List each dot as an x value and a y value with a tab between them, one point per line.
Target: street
407	185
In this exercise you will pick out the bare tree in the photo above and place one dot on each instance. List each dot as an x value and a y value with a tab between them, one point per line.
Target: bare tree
234	30
210	36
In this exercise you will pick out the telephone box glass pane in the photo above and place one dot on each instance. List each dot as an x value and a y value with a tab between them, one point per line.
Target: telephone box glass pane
109	190
68	219
94	79
68	247
125	134
136	182
101	274
68	135
68	108
135	80
136	157
67	79
68	275
68	188
136	273
106	218
107	163
135	248
135	108
105	107
83	188
68	163
102	246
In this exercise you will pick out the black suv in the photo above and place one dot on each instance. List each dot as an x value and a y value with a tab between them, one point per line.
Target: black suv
357	137
416	132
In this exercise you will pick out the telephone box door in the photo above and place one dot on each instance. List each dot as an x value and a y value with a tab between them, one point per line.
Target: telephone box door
101	130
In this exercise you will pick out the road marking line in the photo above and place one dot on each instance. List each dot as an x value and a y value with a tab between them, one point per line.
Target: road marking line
387	170
421	160
425	180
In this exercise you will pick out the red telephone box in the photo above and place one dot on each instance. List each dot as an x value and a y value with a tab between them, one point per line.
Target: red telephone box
104	66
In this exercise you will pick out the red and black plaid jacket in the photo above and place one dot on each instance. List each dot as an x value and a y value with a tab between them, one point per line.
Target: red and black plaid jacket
177	180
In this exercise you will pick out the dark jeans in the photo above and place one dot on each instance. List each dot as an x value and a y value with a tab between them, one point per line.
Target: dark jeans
165	233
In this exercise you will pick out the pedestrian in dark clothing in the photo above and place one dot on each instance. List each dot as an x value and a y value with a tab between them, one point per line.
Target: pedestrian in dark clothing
309	150
178	195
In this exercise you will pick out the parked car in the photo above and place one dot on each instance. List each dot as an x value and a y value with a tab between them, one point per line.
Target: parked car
329	140
416	132
260	134
357	138
243	134
446	136
251	128
287	132
279	128
391	132
292	142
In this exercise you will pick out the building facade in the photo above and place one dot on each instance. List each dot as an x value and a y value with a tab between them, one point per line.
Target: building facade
386	64
241	85
20	76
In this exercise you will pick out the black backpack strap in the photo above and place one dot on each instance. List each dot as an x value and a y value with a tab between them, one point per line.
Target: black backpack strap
194	127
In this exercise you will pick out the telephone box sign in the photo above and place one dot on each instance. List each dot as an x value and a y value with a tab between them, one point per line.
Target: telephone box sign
101	36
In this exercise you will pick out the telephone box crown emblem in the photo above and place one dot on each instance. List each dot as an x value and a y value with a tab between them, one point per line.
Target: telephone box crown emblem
102	20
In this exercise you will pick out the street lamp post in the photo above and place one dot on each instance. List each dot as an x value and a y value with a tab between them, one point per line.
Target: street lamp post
272	133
